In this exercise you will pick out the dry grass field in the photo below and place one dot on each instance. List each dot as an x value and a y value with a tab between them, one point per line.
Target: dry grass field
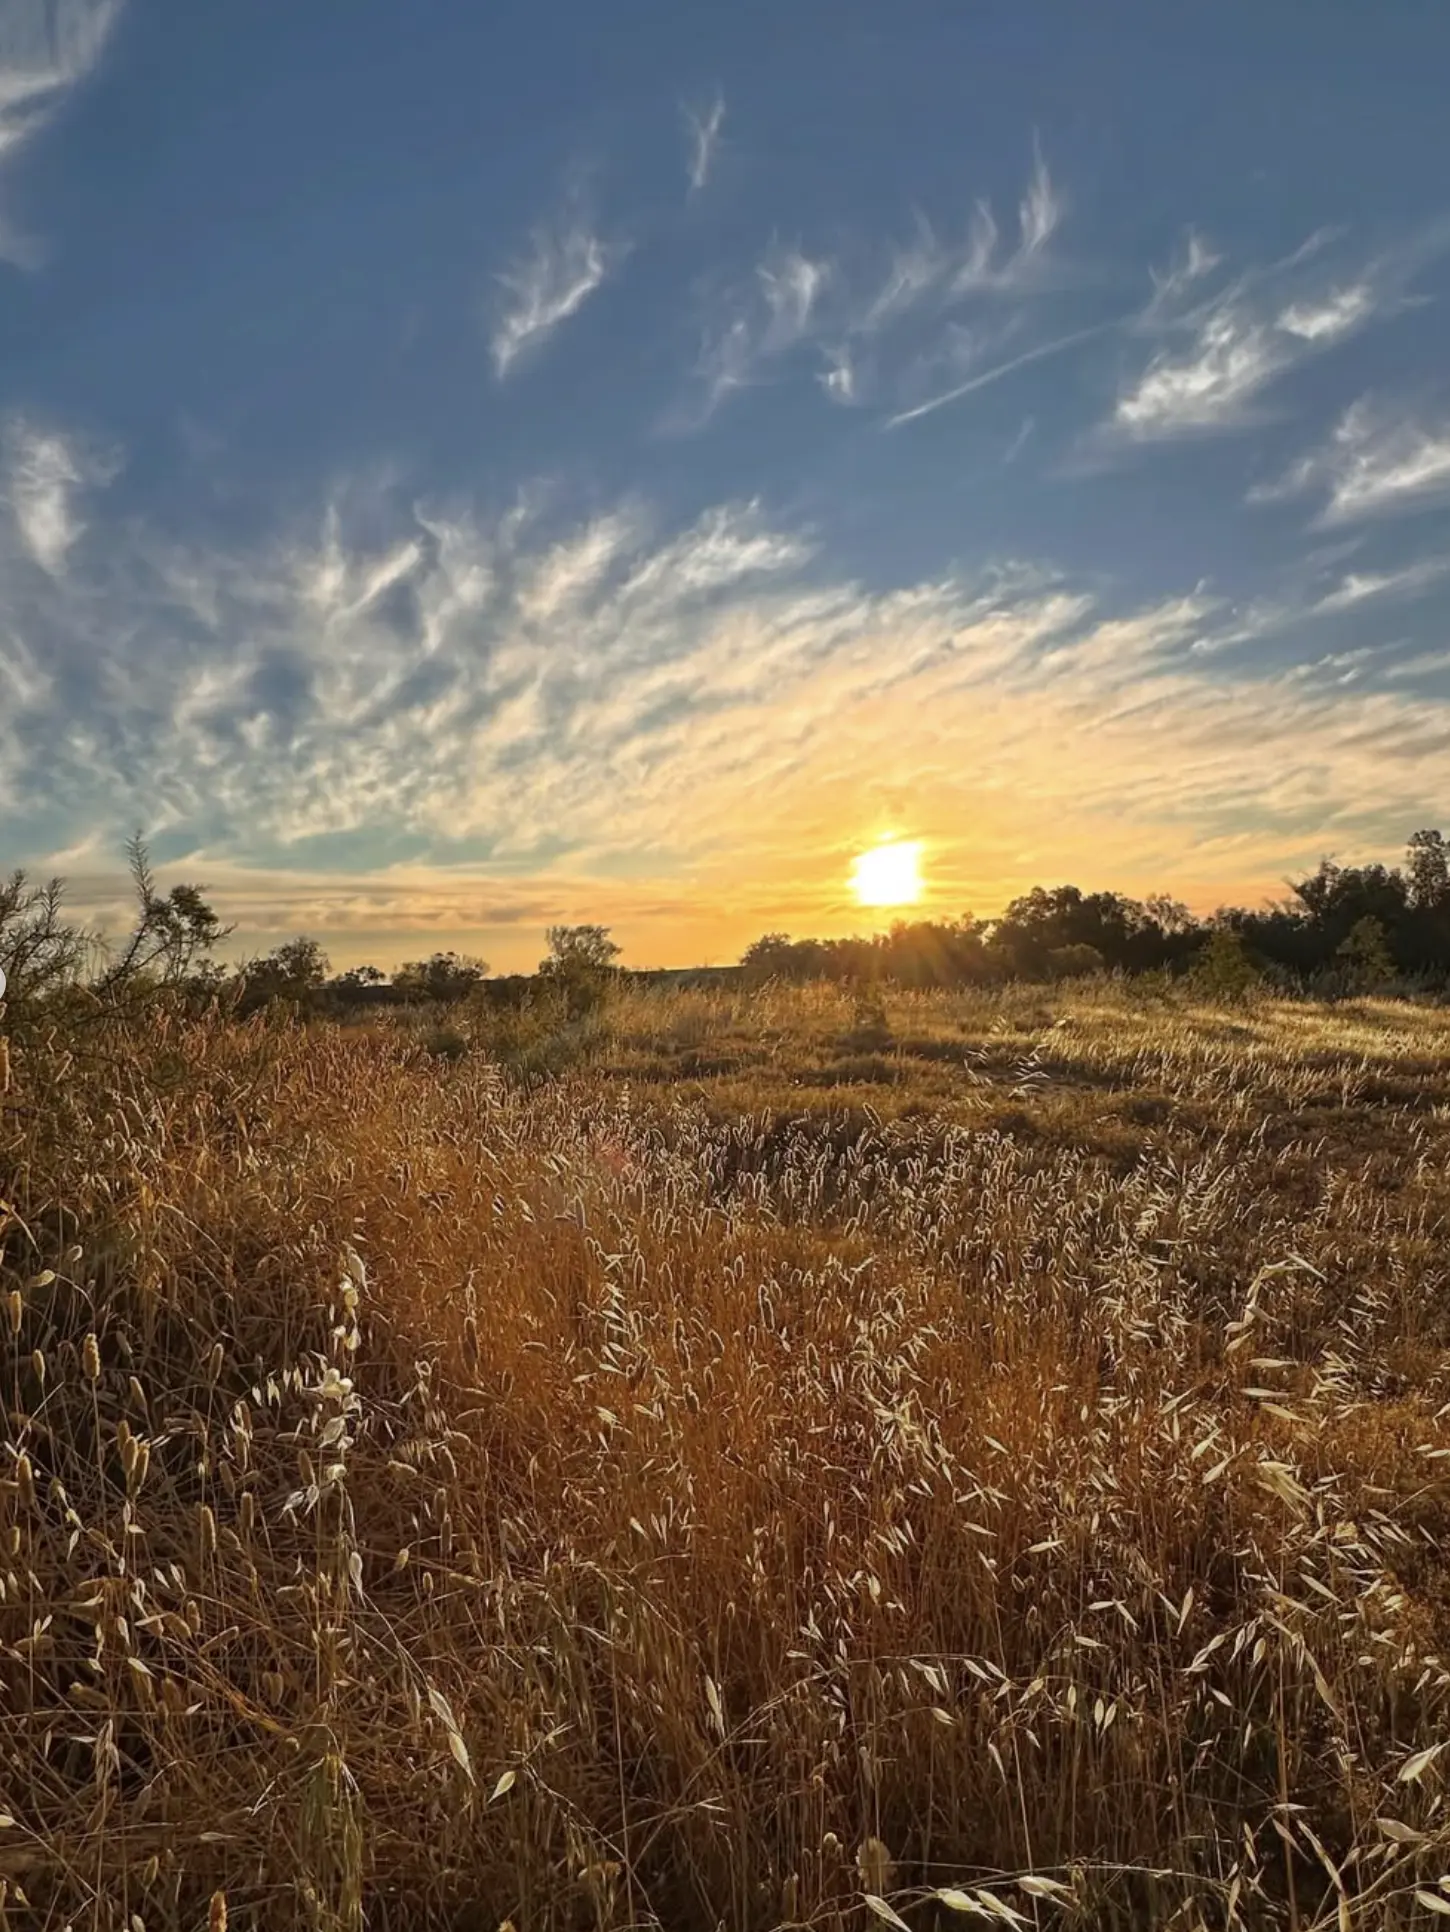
793	1463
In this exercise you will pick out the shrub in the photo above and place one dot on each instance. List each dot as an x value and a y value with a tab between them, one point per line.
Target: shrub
445	1042
1074	962
1364	956
870	1029
443	978
581	966
1225	969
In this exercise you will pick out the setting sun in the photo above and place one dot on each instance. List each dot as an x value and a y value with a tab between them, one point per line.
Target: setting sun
888	875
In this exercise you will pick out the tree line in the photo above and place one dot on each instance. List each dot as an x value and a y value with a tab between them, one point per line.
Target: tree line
1353	926
49	959
1341	927
576	970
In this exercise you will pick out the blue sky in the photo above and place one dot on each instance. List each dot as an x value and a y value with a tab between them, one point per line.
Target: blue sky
467	467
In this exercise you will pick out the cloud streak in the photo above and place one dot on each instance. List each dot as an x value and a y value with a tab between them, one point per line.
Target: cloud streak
1197	261
931	270
1234	352
1358	587
1217	354
702	129
876	329
46	48
1374	465
1040	353
1040	211
45	472
778	314
563	266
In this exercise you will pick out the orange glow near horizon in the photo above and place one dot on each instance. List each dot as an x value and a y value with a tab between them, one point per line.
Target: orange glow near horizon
888	874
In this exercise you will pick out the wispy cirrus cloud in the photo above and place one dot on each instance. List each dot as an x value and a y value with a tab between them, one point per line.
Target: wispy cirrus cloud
1333	316
456	711
1237	345
703	127
1360	586
44	474
936	271
790	286
46	48
564	265
1375	464
1422	665
1217	354
839	377
1040	211
778	313
1197	260
875	329
1205	387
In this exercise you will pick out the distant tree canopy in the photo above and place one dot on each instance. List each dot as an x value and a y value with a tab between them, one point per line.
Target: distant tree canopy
574	949
924	953
1122	932
444	977
1357	926
1409	905
579	966
1048	933
295	972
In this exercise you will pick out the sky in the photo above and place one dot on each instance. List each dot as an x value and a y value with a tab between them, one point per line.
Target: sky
466	468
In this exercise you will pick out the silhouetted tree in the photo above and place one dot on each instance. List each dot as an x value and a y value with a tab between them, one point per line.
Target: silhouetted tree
44	954
294	973
361	977
1125	934
41	950
1336	897
359	986
573	947
1411	907
174	932
932	952
1170	915
775	955
1427	863
580	965
1423	943
445	977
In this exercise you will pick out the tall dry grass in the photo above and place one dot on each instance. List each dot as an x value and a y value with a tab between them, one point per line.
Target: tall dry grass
431	1501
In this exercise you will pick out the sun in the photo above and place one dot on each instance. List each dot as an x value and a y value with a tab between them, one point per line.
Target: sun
888	875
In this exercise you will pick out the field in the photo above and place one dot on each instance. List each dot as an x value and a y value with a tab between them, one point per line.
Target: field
757	1460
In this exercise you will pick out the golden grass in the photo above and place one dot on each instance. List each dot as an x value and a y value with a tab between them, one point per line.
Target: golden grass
713	1489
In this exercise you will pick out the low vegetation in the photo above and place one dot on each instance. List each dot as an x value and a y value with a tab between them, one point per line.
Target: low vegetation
793	1457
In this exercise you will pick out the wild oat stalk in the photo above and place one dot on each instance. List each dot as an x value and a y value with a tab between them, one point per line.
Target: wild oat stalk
720	1489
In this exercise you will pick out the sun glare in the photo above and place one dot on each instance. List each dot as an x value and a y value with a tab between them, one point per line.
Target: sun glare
888	875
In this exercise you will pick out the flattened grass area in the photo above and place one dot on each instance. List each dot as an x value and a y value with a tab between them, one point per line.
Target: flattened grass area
807	1462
